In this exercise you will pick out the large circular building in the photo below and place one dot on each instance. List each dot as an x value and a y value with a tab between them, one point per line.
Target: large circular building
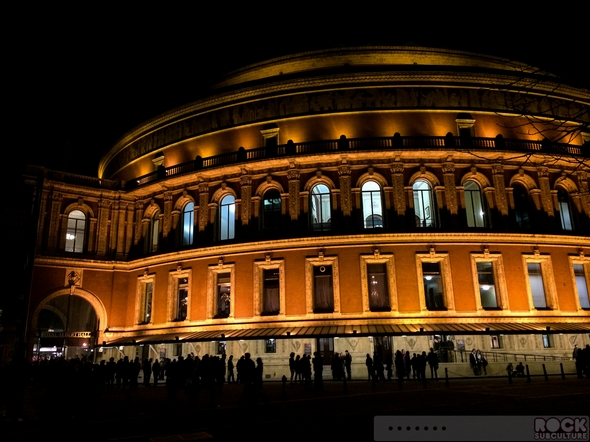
366	199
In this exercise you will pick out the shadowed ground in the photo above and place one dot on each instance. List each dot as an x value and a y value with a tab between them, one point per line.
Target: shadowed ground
338	410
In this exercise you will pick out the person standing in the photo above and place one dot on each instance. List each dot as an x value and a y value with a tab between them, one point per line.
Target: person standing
473	362
400	367
369	364
147	371
433	363
347	364
481	362
230	370
408	364
156	371
318	369
292	367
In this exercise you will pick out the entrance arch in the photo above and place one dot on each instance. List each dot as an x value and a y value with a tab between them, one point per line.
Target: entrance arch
67	318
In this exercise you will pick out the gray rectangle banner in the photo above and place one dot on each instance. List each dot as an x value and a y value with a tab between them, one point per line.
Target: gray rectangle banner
480	428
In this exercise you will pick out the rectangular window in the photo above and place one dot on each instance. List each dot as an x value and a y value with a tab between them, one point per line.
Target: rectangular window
144	304
433	286
536	285
323	289
178	349
179	295
223	295
496	341
220	281
270	292
182	299
487	285
546	341
271	346
145	314
221	346
581	286
378	287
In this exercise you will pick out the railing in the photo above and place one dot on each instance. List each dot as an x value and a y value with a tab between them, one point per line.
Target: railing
356	144
493	356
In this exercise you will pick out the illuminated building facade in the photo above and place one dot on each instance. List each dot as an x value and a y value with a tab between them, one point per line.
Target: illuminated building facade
360	199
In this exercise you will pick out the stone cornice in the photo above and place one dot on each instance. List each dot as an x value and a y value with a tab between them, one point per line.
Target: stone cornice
393	239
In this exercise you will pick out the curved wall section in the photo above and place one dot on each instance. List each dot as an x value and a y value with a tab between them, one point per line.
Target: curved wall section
384	198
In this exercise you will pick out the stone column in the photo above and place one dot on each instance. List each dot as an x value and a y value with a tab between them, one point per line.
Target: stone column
138	223
56	223
543	174
345	189
398	189
500	188
42	217
167	215
450	188
583	186
203	206
246	197
294	203
130	226
104	207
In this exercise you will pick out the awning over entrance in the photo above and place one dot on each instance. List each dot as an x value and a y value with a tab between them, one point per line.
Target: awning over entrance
350	331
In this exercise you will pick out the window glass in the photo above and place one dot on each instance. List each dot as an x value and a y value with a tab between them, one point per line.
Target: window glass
581	285
536	285
271	209
188	218
223	295
270	292
475	208
487	286
424	208
146	305
271	346
76	231
521	207
372	205
433	286
377	287
320	208
323	289
153	232
496	341
182	299
565	214
227	218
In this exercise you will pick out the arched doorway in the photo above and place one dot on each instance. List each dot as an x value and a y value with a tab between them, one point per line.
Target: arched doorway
67	324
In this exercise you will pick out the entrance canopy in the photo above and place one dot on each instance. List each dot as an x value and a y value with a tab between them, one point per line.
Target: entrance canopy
349	331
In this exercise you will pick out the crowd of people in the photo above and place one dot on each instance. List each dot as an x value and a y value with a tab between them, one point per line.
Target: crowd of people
407	366
478	362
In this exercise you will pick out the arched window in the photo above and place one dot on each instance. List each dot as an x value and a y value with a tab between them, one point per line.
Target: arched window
320	208
76	231
188	223
227	218
424	207
565	213
521	206
153	233
271	209
475	206
372	205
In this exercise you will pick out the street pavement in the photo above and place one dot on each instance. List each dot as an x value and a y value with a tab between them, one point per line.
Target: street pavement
284	412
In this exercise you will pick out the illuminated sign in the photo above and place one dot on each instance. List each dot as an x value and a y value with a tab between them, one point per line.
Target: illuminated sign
72	334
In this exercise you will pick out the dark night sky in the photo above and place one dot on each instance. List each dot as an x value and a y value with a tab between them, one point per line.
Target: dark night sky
80	80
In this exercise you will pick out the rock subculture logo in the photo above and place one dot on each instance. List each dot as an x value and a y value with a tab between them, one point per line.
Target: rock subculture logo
561	428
